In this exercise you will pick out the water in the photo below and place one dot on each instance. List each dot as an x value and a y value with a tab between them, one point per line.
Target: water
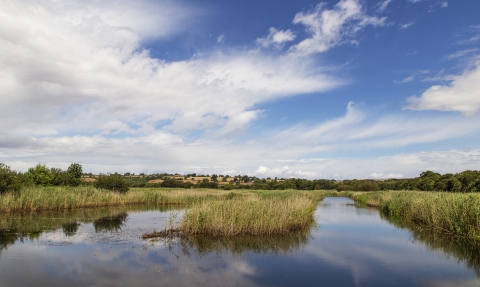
351	246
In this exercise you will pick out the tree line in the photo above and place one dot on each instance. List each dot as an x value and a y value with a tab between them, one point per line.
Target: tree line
41	175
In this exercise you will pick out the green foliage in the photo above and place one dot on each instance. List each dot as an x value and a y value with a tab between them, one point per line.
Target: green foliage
75	171
113	182
40	175
9	180
205	183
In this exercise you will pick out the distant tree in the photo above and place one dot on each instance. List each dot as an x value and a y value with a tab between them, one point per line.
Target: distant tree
40	175
468	178
9	180
112	182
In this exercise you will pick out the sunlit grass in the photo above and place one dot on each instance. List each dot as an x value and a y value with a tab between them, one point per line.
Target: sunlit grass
453	213
252	216
57	198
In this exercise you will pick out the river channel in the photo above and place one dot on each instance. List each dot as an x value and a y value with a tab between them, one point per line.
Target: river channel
350	246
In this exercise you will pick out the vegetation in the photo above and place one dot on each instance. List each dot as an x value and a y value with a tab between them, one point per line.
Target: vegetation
112	182
41	175
9	180
456	214
254	217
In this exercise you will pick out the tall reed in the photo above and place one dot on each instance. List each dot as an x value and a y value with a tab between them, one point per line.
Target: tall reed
453	213
255	216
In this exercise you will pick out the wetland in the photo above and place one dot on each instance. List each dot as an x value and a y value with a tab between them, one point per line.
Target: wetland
349	245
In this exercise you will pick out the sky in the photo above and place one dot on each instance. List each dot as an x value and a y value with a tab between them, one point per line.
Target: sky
333	89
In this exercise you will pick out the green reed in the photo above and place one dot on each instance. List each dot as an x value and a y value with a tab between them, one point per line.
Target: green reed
452	213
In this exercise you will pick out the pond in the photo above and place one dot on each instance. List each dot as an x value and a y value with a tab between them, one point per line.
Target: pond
351	246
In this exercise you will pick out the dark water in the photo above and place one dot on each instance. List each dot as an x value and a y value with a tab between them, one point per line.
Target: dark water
351	246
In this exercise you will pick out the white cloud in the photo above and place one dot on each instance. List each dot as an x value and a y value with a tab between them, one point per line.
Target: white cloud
78	67
385	176
381	6
405	80
461	94
221	39
469	40
276	38
332	27
462	53
293	152
406	25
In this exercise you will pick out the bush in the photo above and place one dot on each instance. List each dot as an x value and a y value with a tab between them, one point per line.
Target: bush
113	182
40	175
9	180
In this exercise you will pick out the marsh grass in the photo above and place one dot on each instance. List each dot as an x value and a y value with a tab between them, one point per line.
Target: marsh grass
58	198
457	214
254	216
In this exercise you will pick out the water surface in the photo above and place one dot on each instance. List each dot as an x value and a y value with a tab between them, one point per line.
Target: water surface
351	246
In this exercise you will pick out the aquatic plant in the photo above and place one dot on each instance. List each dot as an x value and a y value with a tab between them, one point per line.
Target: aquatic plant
453	213
254	216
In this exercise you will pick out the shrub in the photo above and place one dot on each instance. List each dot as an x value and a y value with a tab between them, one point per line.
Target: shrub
113	182
9	180
40	175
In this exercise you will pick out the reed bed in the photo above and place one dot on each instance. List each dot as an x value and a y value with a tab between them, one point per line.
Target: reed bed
58	198
249	217
452	213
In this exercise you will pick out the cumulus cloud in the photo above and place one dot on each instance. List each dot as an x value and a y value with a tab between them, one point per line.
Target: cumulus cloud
78	67
297	151
276	38
461	94
332	27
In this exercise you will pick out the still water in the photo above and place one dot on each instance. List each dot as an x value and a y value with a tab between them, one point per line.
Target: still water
351	246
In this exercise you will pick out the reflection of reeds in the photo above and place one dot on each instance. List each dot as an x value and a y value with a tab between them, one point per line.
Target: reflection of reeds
289	242
22	226
462	249
453	213
255	217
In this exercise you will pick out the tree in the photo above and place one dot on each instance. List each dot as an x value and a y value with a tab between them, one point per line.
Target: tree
9	180
75	170
40	174
113	182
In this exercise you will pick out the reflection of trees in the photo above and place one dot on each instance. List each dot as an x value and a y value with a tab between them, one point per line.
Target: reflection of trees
204	245
70	229
110	223
464	250
17	227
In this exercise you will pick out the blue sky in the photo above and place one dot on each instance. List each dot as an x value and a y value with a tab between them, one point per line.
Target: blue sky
332	89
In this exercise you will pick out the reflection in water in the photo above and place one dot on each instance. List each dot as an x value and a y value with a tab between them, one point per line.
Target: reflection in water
352	247
111	223
30	226
70	229
461	249
204	245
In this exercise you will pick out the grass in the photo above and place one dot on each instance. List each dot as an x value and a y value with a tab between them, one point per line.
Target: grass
457	214
252	216
58	198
